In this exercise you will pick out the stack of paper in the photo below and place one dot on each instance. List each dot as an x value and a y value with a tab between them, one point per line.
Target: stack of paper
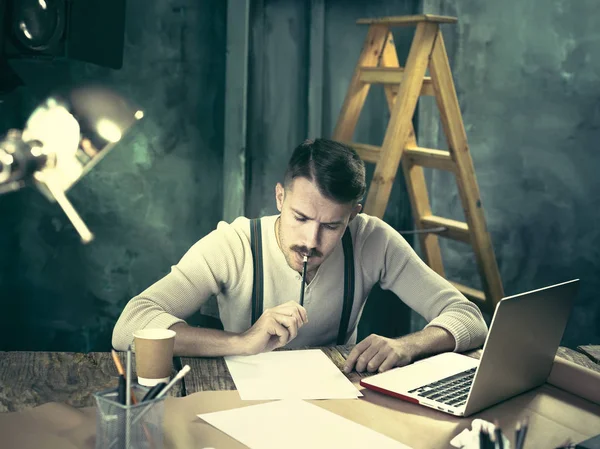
299	374
295	424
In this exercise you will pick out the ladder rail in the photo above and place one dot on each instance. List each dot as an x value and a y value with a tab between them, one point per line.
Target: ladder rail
468	189
378	64
414	175
400	123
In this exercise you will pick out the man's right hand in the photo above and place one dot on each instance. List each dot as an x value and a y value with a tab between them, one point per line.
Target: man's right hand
275	328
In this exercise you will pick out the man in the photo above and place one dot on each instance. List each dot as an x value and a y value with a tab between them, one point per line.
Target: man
318	204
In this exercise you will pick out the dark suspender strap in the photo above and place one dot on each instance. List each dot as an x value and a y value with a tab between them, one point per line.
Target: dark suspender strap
348	286
257	257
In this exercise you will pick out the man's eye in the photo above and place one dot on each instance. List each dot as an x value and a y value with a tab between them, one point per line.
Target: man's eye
300	219
331	227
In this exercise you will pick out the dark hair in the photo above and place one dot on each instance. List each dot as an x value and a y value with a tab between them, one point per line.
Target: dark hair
335	168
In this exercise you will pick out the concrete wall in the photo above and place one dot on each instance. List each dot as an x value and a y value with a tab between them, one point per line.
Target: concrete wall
526	76
147	202
287	36
528	82
161	190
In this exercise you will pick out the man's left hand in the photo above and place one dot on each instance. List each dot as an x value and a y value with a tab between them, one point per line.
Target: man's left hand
377	353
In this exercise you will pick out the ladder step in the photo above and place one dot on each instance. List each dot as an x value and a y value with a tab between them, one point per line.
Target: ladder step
457	230
368	153
407	20
392	75
426	157
472	294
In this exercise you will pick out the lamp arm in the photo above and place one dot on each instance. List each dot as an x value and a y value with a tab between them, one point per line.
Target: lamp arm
22	162
60	197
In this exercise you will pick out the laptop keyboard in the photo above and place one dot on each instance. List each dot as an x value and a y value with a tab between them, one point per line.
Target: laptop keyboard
451	390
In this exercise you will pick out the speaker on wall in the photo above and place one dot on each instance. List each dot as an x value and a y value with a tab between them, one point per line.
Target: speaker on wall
86	30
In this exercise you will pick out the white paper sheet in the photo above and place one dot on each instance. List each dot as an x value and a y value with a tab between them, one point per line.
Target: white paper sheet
299	374
293	423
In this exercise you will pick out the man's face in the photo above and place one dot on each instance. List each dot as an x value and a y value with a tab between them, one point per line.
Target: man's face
310	224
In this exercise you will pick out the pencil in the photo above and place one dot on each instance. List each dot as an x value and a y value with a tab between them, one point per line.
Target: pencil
121	390
303	281
523	433
498	432
128	377
487	442
121	371
517	434
492	439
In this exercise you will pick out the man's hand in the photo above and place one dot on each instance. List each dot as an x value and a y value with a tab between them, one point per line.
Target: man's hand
377	353
275	328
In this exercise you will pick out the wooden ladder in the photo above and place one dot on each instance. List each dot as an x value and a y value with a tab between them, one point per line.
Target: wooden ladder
378	64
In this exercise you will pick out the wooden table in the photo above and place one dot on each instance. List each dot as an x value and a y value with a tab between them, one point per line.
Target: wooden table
29	379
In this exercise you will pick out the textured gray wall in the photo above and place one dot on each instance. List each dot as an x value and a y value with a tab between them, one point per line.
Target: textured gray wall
527	93
147	202
528	81
278	87
278	106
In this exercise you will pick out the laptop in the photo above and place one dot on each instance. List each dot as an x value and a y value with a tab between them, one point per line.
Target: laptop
518	355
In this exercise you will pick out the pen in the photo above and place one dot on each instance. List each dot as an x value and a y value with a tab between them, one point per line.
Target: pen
164	391
303	280
153	391
122	383
176	379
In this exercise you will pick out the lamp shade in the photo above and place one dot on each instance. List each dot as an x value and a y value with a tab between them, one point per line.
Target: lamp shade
79	127
64	138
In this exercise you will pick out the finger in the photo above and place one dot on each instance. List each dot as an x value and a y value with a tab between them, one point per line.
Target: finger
289	322
376	361
293	309
365	357
355	353
281	332
303	314
294	312
390	362
297	310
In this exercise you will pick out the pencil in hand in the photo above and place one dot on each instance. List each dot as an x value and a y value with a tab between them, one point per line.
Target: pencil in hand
305	262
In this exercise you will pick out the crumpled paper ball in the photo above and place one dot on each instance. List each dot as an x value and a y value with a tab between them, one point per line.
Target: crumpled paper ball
469	438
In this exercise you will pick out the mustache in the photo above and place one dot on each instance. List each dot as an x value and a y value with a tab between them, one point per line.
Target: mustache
305	251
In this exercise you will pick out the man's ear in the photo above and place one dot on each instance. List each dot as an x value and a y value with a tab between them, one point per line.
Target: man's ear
355	211
279	196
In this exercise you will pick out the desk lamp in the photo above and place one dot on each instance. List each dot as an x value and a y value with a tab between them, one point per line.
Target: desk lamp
64	138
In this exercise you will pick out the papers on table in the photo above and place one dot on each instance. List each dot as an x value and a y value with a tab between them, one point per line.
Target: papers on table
298	374
294	423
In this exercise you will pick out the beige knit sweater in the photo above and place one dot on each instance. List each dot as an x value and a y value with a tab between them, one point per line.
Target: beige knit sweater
220	264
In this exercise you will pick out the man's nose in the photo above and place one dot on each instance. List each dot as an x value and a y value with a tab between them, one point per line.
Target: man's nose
313	236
